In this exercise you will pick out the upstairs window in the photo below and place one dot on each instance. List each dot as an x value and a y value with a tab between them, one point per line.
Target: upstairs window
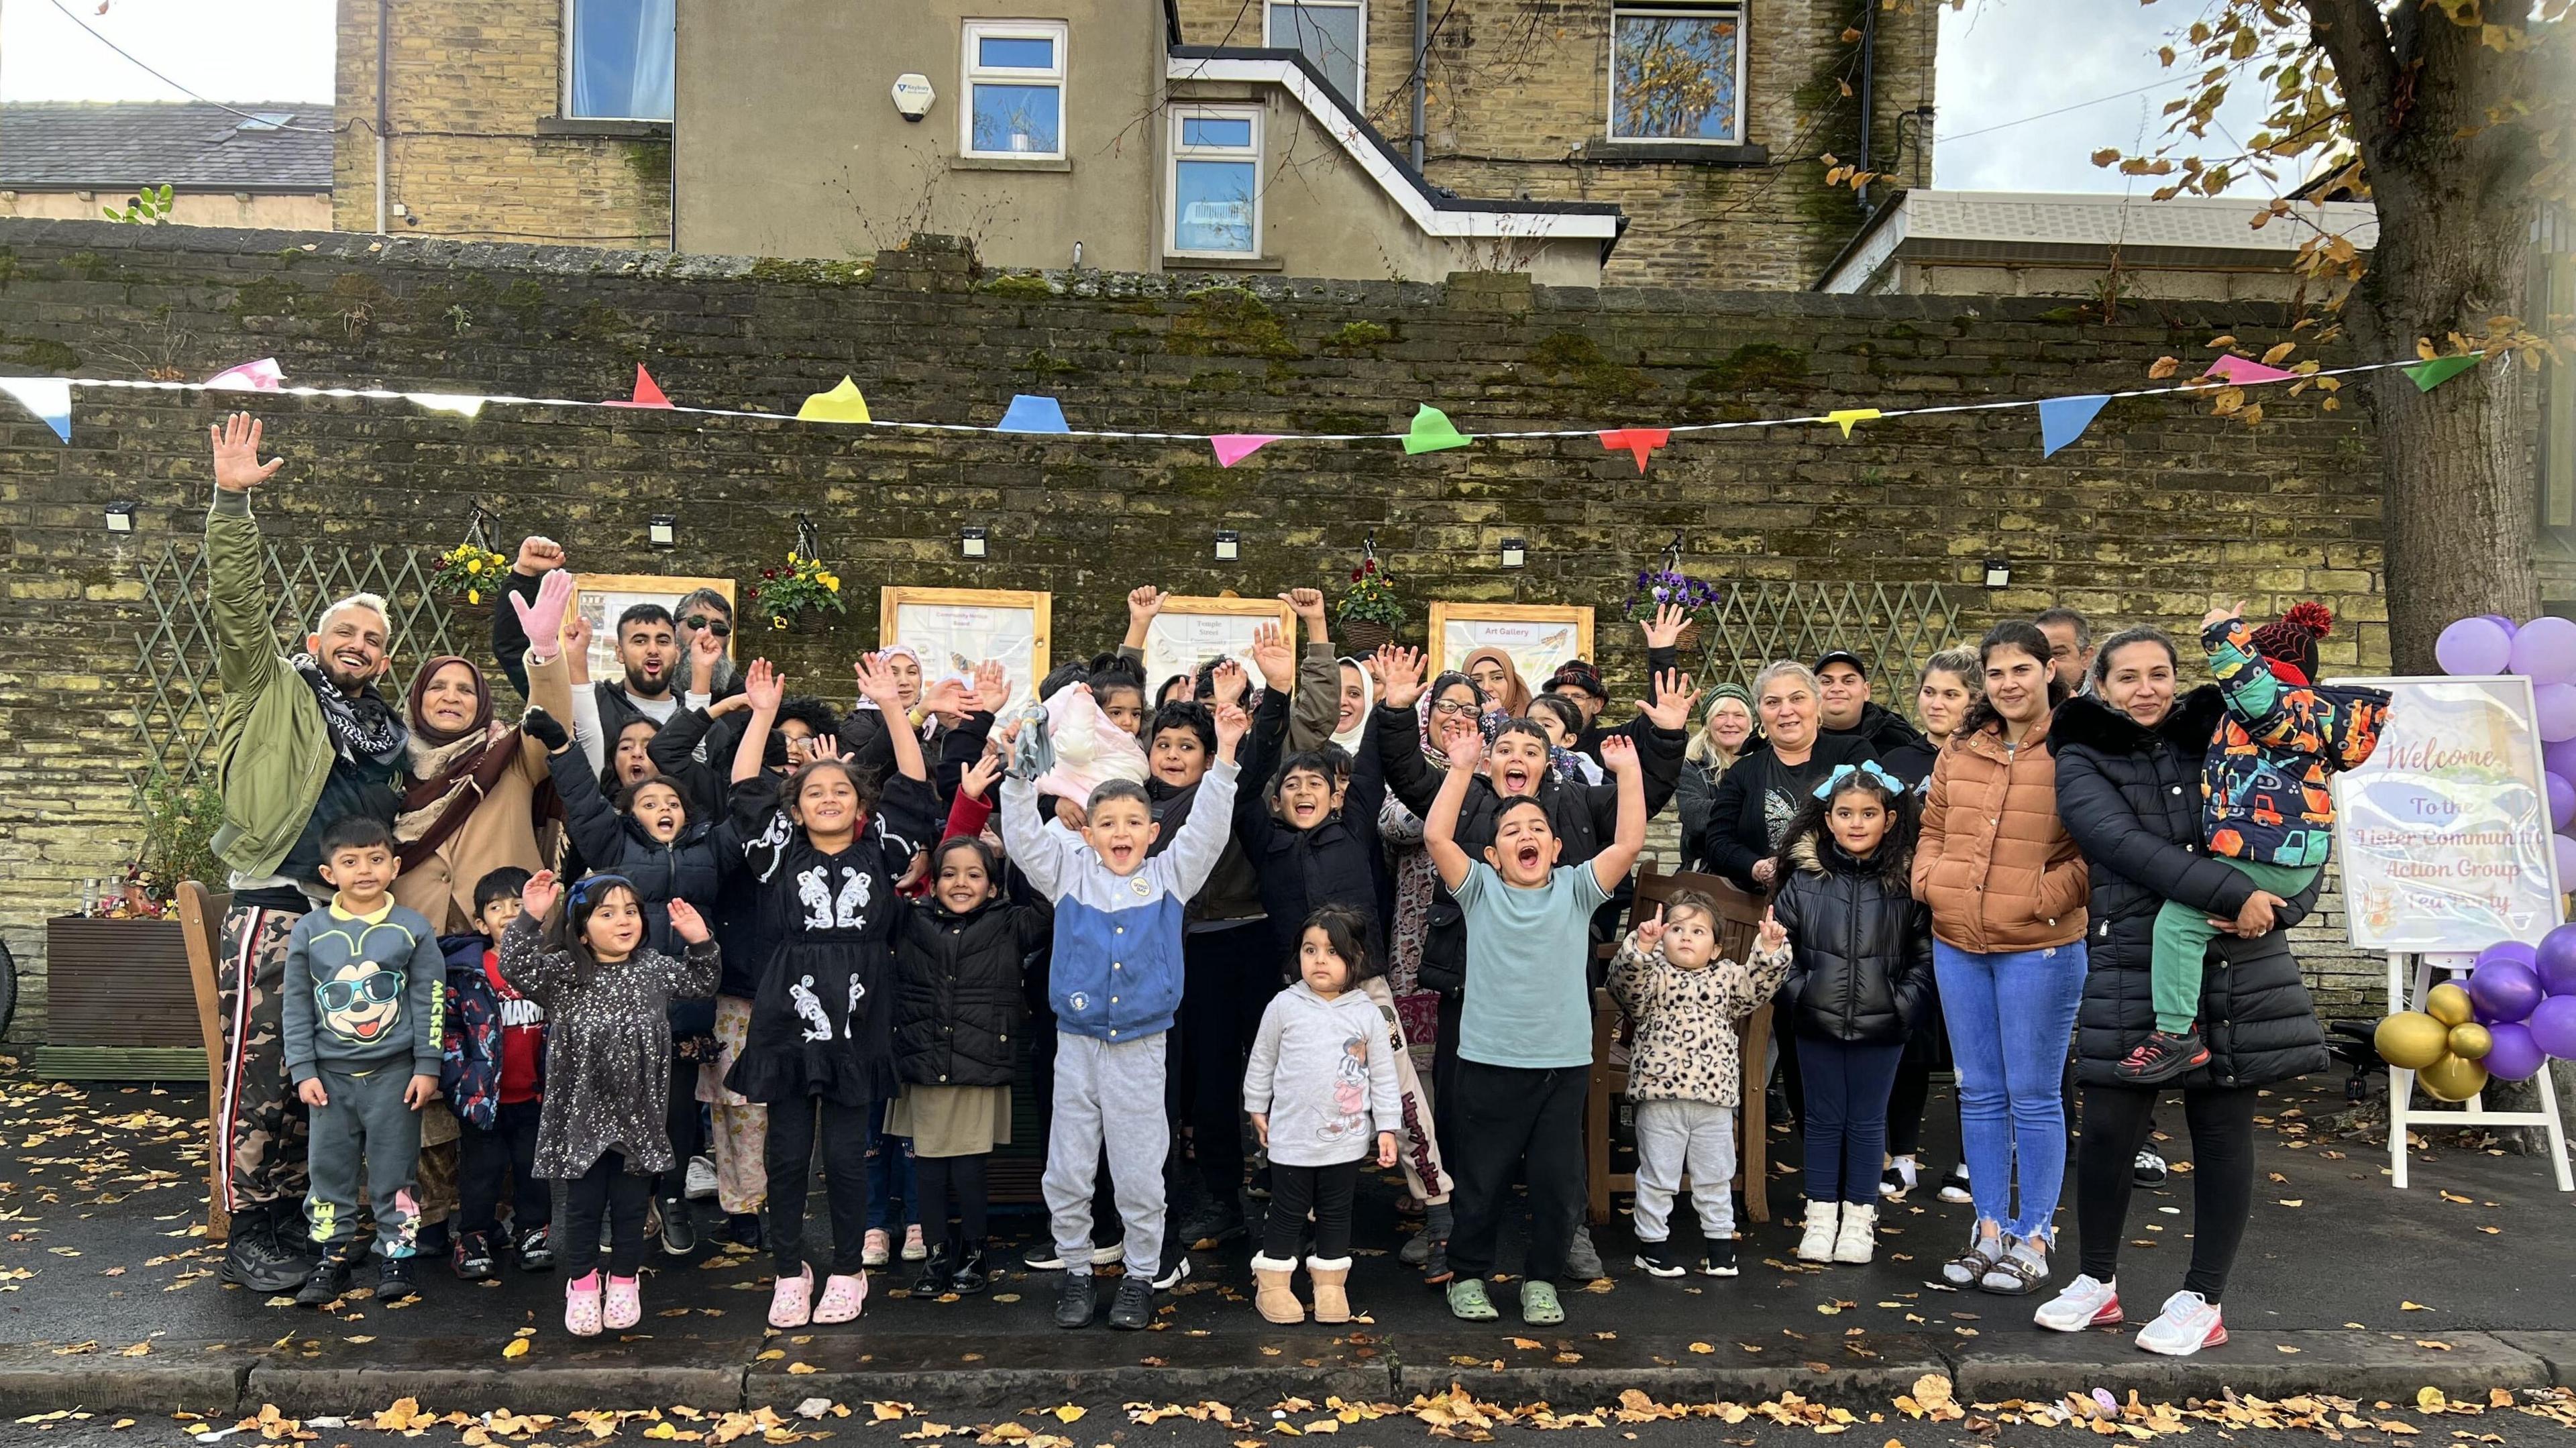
1215	181
1332	33
1015	89
619	63
1677	73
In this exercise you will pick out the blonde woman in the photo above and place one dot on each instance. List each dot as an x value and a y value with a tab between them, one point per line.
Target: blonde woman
1725	732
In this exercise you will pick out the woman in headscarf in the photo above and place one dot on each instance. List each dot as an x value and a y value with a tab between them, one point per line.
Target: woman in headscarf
1358	697
1452	696
1499	680
1725	732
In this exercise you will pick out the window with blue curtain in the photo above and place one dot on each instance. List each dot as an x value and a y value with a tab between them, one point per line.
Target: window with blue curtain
620	59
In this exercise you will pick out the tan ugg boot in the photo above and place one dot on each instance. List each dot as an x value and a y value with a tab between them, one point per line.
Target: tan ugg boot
1274	1291
1332	1304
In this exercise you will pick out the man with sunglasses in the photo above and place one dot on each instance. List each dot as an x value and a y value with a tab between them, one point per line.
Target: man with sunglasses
705	626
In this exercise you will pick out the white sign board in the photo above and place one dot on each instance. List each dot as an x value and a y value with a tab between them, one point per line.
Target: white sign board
1538	637
1191	631
2443	836
954	629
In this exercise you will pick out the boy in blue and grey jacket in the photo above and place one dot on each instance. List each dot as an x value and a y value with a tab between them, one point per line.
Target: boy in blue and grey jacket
360	1008
1115	982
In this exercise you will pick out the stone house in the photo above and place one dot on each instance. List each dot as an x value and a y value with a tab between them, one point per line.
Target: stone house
260	165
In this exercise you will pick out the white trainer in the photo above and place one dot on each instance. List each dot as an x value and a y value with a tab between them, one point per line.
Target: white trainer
1857	1237
1823	1222
2189	1323
2085	1303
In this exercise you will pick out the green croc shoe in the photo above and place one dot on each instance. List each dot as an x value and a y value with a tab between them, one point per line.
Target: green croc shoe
1468	1302
1539	1307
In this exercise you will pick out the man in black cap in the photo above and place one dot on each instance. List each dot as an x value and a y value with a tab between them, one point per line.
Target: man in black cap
1845	708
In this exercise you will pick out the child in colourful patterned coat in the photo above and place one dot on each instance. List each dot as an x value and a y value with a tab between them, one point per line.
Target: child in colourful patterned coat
2267	809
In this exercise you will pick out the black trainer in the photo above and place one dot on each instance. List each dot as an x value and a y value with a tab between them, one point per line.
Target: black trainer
679	1231
1717	1258
1208	1225
1436	1271
328	1282
473	1259
936	1269
970	1276
2162	1057
743	1229
537	1249
1134	1309
256	1258
394	1281
1656	1259
1076	1301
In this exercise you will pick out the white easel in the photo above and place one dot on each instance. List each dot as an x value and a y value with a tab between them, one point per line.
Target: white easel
2401	1083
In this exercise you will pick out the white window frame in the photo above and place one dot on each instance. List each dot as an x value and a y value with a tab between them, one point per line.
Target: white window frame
1740	12
1176	152
1359	102
978	31
570	63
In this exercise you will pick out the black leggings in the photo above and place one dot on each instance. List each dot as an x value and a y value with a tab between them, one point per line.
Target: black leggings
2222	1178
504	1153
608	1190
681	1116
1327	1192
793	1125
933	1178
1227	982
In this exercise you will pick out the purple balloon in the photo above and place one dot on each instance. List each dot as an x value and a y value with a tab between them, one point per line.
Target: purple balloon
2556	961
2553	708
2560	758
2566	849
2511	950
2508	989
2545	651
2562	800
2473	646
2515	1056
2502	622
2553	1026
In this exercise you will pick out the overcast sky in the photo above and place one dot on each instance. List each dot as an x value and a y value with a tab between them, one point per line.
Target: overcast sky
2028	88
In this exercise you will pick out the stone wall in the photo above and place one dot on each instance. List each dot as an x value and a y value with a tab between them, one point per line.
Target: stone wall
2156	509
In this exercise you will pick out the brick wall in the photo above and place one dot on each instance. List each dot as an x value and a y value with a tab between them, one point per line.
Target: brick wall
1516	104
2156	509
471	82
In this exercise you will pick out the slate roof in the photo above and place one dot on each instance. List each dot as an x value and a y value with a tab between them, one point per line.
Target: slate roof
118	145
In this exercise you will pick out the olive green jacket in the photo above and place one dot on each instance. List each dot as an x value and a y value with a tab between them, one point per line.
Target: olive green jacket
272	750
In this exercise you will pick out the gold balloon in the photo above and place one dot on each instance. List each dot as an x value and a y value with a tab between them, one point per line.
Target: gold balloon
2411	1040
2453	1078
2471	1042
2449	1004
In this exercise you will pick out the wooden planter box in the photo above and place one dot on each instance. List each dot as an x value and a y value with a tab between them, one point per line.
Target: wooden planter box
119	1002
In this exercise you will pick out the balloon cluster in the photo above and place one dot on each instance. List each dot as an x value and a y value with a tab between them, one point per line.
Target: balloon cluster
2543	651
2517	1011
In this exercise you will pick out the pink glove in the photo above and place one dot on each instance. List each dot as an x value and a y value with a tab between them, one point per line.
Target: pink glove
543	620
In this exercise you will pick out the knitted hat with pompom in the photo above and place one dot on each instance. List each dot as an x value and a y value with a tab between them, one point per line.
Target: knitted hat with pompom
2291	644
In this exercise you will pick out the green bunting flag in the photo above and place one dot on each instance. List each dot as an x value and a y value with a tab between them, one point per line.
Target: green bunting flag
1432	430
2432	374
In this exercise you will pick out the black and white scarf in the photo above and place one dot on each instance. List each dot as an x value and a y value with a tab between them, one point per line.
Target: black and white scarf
362	728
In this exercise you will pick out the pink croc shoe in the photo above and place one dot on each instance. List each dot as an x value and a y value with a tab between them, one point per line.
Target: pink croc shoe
581	1305
842	1298
791	1301
625	1305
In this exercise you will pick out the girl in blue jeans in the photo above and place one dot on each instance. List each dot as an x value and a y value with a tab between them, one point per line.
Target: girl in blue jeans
2007	891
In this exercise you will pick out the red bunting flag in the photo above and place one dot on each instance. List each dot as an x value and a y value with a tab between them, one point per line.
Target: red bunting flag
647	392
1638	440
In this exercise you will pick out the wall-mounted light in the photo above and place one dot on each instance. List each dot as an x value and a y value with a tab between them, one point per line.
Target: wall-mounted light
1229	545
120	517
663	531
970	543
1515	552
1998	573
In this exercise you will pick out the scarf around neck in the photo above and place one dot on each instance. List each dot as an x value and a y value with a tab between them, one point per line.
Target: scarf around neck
363	726
446	778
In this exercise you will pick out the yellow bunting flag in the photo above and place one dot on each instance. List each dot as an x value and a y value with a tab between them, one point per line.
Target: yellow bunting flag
841	404
1846	416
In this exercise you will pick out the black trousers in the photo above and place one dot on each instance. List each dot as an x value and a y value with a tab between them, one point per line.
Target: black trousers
608	1190
1227	981
934	1178
1327	1192
1905	1104
1508	1115
681	1116
2116	1119
790	1144
506	1154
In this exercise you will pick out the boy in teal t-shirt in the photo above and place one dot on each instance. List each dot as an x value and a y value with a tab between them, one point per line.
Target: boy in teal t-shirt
1525	1028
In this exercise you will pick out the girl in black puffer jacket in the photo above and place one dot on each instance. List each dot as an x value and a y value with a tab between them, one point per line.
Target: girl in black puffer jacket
1860	975
960	954
2128	791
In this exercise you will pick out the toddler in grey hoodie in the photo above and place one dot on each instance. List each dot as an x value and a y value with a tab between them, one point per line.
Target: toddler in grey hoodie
1321	1090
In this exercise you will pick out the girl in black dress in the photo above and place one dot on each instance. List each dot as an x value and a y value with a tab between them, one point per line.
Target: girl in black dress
827	849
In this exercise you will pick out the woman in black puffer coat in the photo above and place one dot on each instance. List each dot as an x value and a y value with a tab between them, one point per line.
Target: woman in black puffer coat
2128	790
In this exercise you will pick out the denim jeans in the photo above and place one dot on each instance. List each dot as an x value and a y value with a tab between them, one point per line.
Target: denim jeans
891	1207
2010	1017
1845	1125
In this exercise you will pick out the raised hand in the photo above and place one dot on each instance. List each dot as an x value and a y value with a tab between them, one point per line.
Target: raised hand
1771	936
823	746
992	687
1673	699
2215	615
576	637
1308	605
762	686
1273	656
706	651
546	729
1465	746
543	621
538	895
1143	603
979	776
237	465
877	684
1619	754
1650	932
1228	683
687	922
538	554
1231	725
1665	628
951	698
1400	671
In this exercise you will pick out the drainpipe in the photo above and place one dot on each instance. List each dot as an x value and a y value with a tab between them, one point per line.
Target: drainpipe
671	162
384	106
1868	89
1421	45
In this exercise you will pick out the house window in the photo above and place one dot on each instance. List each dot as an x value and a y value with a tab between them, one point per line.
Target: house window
1677	74
619	62
1332	33
1216	181
1015	88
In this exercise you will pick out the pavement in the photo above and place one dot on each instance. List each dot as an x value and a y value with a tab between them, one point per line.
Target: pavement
2465	1284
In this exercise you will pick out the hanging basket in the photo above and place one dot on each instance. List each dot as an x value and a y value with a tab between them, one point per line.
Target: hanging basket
1686	643
799	621
1363	637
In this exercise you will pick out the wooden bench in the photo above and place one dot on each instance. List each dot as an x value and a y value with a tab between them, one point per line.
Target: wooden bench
1739	916
201	916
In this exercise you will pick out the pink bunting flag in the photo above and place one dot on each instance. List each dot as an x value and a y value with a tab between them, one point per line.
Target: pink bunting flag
260	376
2241	370
647	392
1234	447
1638	440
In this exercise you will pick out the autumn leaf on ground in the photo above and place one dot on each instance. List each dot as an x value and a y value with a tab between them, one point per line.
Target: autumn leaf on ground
518	1348
2412	1307
1068	1413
